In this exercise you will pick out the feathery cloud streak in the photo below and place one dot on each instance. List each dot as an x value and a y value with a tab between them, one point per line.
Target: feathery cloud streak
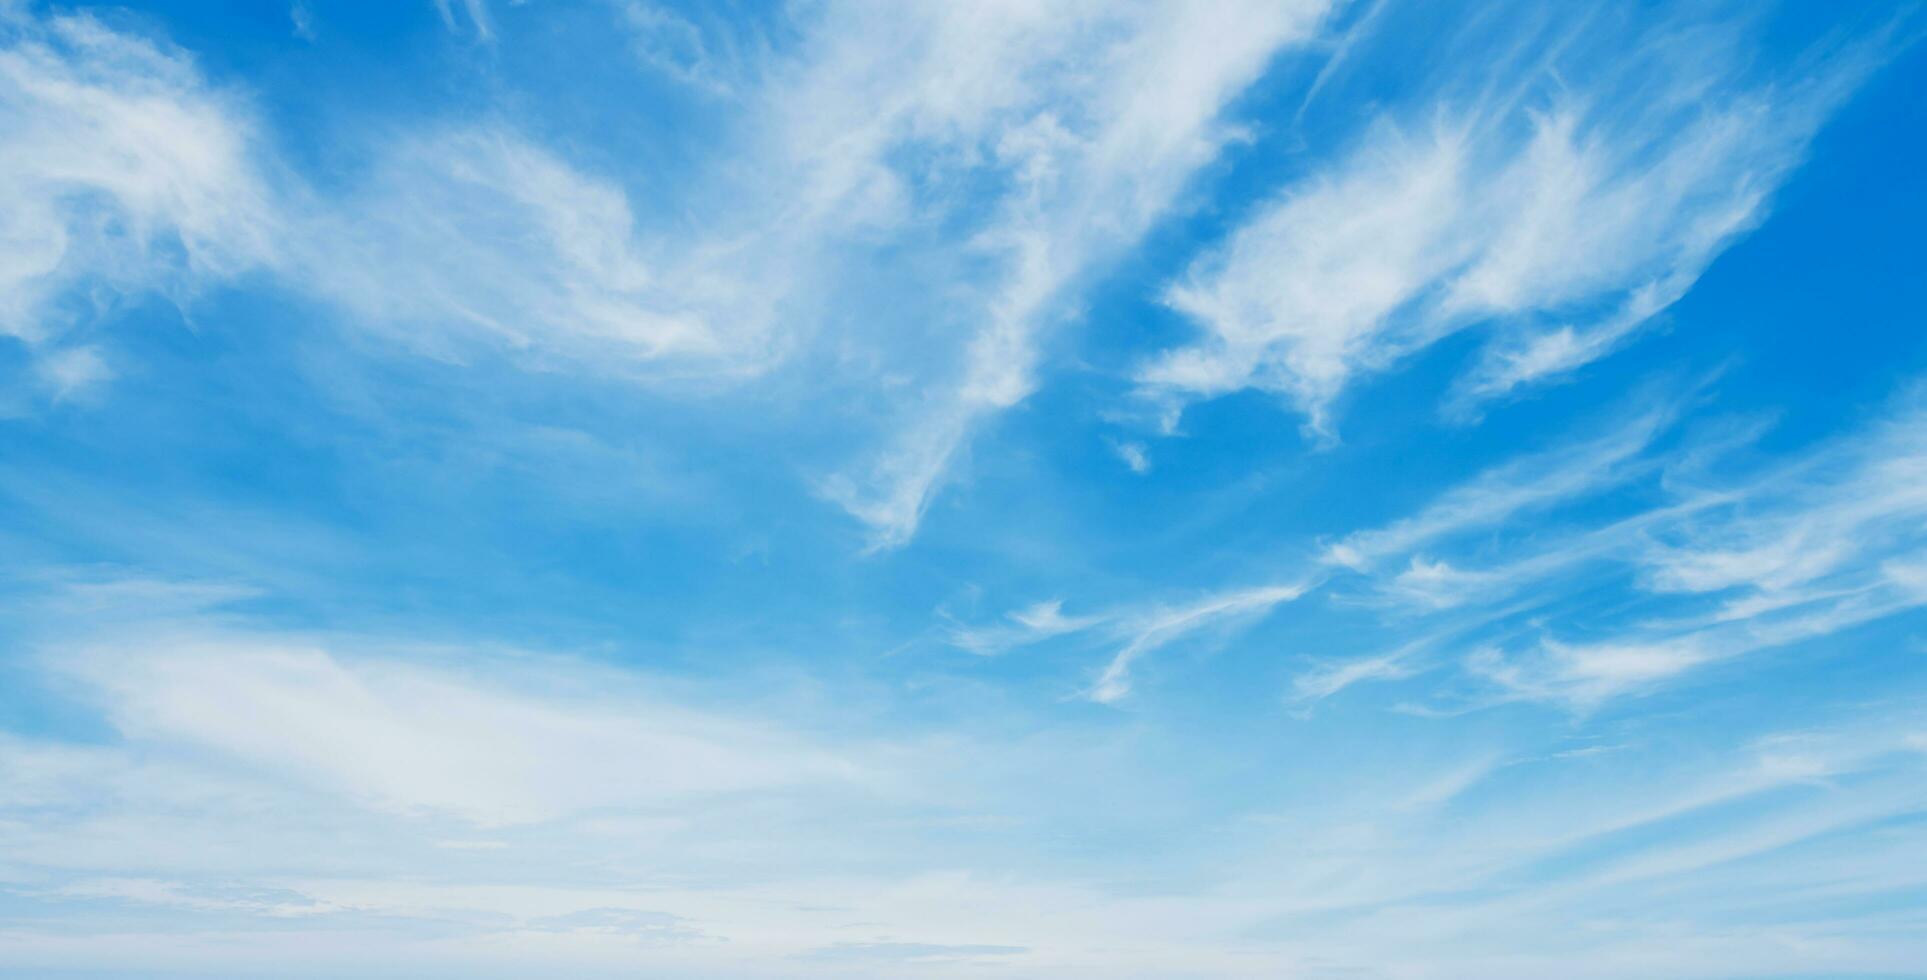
1567	201
1094	116
124	174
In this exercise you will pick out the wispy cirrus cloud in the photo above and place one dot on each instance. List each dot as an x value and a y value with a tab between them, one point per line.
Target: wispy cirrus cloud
1392	556
1139	629
1154	629
1566	198
1526	485
474	12
478	232
124	173
693	49
1092	117
132	173
1053	136
1819	544
1722	565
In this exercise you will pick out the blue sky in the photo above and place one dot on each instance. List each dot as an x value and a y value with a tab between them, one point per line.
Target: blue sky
1293	488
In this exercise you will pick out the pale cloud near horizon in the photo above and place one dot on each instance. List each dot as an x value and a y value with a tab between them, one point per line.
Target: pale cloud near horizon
225	813
487	750
494	795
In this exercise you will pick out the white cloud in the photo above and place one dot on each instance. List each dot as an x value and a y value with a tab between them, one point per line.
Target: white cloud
1090	118
1438	583
1034	623
1586	675
488	749
475	11
1140	629
301	19
1096	115
1839	509
1571	223
479	231
1769	565
248	813
1805	549
690	51
1530	484
1134	456
129	173
1820	543
1326	679
1524	485
1299	295
1154	629
1087	119
120	169
72	371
